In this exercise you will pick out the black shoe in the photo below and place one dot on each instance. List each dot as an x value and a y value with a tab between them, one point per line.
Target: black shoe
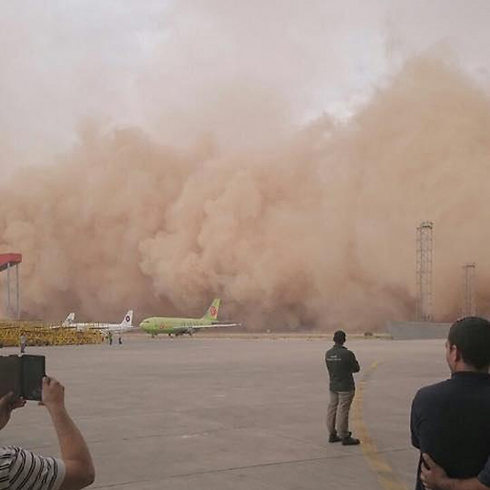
334	438
350	441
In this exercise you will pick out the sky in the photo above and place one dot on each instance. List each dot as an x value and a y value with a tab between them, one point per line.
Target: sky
167	66
276	154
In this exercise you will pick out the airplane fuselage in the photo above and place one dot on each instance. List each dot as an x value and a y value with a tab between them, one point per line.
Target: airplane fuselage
180	326
105	327
172	326
125	325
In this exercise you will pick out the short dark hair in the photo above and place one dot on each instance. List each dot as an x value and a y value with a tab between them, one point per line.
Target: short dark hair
471	335
339	337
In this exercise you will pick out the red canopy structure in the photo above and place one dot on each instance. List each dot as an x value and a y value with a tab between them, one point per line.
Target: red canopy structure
9	259
7	262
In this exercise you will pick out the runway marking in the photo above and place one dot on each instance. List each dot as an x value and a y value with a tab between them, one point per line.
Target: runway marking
378	464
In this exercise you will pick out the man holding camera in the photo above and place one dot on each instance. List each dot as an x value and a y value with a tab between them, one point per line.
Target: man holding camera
22	469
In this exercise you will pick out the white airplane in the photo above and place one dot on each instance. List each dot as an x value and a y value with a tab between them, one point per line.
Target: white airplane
124	326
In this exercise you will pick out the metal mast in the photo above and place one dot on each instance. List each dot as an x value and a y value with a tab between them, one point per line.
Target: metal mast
469	292
424	272
10	263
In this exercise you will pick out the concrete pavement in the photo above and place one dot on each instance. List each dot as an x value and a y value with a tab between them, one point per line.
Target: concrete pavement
232	413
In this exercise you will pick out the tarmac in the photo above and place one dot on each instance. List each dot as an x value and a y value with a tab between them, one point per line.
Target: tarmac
233	413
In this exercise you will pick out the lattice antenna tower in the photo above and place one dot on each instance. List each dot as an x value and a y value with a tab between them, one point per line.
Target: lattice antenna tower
424	272
469	289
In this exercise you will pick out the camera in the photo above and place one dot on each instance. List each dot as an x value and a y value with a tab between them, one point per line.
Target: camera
22	375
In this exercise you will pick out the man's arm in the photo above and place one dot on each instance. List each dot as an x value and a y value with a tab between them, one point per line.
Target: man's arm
414	425
435	478
80	471
355	368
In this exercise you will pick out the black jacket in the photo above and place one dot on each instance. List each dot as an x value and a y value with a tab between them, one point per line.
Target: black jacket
449	421
341	363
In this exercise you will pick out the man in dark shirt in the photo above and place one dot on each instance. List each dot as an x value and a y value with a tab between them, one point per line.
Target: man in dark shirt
341	363
449	420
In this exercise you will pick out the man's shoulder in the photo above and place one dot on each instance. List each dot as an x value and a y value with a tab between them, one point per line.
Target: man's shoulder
433	390
337	350
16	461
7	452
436	387
339	353
8	456
346	353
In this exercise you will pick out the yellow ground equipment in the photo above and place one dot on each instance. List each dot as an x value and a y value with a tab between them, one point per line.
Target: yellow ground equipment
37	333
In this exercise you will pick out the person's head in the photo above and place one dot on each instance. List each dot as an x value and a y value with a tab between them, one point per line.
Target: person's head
339	337
468	345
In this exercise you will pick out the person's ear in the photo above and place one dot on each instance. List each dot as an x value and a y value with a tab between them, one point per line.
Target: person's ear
456	353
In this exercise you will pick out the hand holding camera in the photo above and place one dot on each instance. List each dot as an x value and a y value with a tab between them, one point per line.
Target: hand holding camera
8	403
24	378
53	393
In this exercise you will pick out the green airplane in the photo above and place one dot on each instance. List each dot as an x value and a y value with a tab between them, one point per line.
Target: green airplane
180	326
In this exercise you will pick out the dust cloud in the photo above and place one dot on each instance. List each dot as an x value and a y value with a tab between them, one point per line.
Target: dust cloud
315	231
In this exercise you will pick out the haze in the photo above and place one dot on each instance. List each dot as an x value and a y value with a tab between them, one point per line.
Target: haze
276	154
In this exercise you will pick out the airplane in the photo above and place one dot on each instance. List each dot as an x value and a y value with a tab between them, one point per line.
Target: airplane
124	326
181	326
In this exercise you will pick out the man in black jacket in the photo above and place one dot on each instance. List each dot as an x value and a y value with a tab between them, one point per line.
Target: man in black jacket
341	363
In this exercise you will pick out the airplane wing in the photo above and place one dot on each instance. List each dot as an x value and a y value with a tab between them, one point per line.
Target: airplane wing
215	325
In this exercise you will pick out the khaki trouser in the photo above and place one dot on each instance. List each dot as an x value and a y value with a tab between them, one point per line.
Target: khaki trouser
338	411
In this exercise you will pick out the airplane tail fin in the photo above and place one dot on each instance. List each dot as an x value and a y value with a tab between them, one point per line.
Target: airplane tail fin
128	318
69	320
212	313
